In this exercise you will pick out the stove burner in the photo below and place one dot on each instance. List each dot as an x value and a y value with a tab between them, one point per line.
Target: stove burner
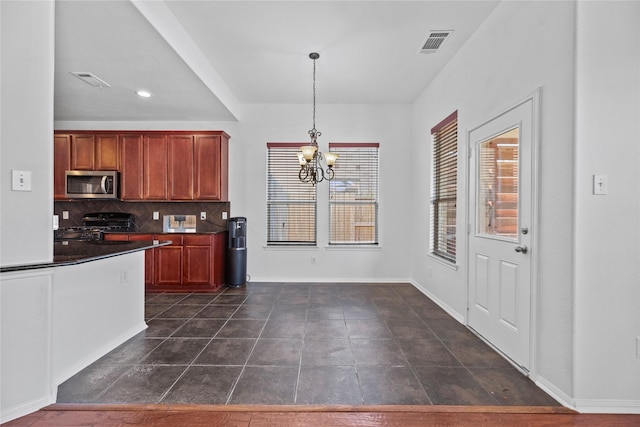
95	224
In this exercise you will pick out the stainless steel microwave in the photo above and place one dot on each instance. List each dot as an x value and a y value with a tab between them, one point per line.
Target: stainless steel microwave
91	184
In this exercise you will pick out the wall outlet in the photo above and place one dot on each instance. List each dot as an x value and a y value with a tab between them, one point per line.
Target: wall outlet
65	214
156	215
203	216
313	260
224	215
124	276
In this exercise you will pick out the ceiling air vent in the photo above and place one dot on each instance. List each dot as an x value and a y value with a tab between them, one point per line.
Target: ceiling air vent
434	41
90	79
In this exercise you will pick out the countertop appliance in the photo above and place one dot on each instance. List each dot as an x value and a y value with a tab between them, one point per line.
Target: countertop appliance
91	184
95	224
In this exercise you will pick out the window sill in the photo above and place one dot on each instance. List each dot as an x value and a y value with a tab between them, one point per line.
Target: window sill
440	260
353	248
290	247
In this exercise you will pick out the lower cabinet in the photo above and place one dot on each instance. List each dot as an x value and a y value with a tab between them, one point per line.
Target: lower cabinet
192	262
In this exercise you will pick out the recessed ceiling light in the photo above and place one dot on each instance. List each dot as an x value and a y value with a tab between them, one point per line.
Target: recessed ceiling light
143	93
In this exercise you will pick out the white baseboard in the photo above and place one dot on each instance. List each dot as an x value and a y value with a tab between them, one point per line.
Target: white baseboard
450	310
8	414
306	280
607	406
82	363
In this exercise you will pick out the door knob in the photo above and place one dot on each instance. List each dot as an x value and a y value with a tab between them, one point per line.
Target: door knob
522	249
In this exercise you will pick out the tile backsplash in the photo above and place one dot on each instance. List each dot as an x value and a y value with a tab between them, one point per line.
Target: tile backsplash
143	212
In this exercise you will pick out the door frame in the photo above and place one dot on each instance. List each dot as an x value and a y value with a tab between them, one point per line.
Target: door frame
534	97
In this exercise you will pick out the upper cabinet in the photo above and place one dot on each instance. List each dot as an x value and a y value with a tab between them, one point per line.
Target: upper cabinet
153	165
211	167
61	164
180	167
94	152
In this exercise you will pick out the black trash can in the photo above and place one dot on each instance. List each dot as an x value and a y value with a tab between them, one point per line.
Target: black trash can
236	259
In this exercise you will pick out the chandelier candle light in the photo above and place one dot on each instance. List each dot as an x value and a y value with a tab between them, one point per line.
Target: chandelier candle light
311	169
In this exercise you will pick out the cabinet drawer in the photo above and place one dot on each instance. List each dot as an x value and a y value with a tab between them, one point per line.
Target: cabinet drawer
197	240
176	239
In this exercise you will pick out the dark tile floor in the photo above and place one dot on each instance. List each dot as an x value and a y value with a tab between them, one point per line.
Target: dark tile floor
269	343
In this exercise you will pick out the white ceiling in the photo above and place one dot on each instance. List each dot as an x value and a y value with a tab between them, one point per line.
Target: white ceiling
203	60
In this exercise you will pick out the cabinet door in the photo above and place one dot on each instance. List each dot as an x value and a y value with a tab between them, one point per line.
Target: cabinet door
61	164
149	255
180	159
168	262
210	167
82	152
131	169
106	153
198	260
155	167
218	253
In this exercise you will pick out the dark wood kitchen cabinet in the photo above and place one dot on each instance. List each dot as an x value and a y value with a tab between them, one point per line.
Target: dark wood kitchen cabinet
211	167
180	171
107	153
83	152
168	262
61	164
155	167
191	263
94	152
131	165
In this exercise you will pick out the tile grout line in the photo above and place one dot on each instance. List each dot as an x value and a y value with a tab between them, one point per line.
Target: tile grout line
166	393
244	366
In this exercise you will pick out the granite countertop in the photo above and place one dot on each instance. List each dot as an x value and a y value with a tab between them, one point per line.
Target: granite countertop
79	251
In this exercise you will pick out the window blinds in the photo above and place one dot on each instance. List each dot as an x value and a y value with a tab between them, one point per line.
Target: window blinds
444	190
291	204
353	195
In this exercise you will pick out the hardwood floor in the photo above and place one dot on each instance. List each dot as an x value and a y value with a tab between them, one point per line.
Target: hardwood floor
291	416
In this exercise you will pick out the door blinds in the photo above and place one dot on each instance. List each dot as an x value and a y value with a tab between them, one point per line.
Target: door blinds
291	204
444	190
353	195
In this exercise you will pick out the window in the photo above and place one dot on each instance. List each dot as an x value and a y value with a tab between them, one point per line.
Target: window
353	195
291	204
444	190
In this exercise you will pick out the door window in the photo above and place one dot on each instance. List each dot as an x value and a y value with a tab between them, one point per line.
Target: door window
497	207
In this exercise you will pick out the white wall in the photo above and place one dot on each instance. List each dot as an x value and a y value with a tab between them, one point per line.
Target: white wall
26	126
607	245
520	47
386	124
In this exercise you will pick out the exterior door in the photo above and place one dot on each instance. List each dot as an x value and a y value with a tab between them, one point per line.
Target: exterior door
501	233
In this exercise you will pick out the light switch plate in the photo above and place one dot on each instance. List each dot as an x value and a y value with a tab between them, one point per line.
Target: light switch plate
156	215
600	186
20	180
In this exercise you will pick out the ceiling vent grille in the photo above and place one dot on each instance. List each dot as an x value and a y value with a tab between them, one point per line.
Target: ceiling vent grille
90	79
434	41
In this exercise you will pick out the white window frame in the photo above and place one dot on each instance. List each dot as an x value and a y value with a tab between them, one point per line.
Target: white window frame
354	195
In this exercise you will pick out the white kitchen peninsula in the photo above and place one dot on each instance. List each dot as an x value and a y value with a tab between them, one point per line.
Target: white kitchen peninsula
60	317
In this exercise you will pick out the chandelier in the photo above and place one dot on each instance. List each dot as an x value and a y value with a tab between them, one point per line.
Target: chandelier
311	169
